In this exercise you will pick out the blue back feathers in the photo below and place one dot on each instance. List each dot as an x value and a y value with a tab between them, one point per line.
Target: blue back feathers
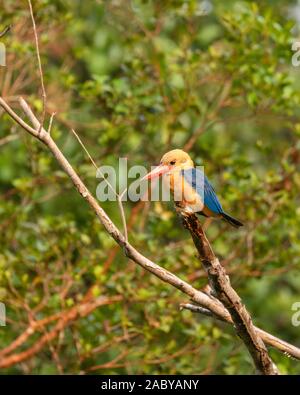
203	187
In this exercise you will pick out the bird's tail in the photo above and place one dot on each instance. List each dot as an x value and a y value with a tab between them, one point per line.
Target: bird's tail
232	221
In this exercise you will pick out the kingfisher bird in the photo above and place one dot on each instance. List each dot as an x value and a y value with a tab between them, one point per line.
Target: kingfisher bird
191	190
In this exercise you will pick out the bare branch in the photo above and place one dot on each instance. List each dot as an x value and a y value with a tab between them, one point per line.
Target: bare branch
6	30
198	297
8	139
269	339
220	284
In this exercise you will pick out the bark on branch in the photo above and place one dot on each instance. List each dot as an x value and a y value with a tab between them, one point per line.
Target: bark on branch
223	290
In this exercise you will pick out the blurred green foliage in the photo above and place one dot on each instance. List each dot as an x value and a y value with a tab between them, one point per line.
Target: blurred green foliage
135	79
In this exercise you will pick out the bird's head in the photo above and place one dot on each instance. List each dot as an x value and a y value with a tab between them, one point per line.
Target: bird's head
172	161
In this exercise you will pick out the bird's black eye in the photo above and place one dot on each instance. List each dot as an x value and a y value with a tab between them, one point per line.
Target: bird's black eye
172	162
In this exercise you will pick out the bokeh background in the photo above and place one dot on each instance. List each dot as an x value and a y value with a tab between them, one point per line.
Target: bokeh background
135	79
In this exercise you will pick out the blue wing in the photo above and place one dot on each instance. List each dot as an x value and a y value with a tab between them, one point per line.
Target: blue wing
198	180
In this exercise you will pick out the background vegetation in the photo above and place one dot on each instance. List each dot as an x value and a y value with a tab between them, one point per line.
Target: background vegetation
135	79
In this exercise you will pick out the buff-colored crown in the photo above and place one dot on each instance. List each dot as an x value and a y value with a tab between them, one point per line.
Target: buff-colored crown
177	157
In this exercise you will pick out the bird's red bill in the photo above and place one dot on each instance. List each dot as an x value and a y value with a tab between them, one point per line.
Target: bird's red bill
157	172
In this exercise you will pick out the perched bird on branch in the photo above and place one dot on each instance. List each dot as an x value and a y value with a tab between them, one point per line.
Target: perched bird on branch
191	190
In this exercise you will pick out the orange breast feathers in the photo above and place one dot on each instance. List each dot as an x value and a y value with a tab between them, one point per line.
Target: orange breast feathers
184	193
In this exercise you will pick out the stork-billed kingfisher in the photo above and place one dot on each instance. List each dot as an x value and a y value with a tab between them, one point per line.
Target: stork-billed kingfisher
191	190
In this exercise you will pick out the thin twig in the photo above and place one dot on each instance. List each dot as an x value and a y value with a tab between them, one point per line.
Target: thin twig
197	297
88	154
6	30
120	204
44	96
8	139
220	284
119	197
